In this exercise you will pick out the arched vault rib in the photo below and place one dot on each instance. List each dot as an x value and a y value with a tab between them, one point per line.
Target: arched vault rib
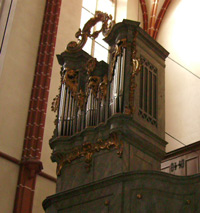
144	14
160	17
153	17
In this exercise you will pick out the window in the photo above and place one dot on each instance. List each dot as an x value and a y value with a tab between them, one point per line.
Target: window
97	48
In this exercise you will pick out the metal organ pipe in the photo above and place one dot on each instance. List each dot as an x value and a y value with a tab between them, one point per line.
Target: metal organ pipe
115	86
88	109
61	108
69	115
66	104
121	85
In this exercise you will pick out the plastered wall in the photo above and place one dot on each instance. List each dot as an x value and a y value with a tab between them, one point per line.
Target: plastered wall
43	189
8	185
179	34
134	11
17	74
16	79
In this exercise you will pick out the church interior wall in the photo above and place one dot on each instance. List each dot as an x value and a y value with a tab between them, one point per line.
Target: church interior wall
17	75
179	34
43	189
134	11
8	178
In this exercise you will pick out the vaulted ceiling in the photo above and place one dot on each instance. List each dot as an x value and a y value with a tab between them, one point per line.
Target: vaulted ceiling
153	14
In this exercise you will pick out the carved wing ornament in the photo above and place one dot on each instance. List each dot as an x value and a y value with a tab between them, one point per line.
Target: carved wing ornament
82	35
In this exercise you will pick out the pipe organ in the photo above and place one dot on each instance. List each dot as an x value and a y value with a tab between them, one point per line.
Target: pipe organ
109	137
92	92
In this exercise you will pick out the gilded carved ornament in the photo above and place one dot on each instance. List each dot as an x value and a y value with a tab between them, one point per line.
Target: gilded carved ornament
136	67
81	99
55	103
88	149
117	51
71	80
93	84
90	65
82	35
103	88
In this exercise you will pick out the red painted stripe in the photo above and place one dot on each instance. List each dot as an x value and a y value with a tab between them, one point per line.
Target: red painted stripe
49	177
9	158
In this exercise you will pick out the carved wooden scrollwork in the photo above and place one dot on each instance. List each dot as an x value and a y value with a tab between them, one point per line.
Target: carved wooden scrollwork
90	65
136	67
71	80
81	99
82	35
87	150
117	51
103	88
93	84
55	103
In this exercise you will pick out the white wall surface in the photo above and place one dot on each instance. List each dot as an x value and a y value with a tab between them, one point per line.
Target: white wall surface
179	34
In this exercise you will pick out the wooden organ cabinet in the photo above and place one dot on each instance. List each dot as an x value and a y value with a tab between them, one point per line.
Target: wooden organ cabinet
109	137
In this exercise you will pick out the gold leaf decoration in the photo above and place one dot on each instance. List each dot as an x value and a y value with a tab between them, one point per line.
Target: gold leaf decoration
82	35
88	149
